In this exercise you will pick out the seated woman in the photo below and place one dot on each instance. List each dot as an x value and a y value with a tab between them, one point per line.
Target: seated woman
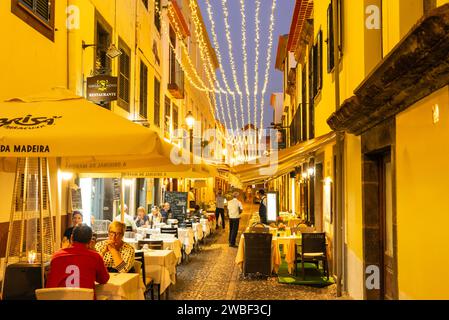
77	217
118	256
142	219
155	216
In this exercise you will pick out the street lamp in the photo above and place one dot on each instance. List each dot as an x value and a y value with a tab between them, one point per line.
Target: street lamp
190	121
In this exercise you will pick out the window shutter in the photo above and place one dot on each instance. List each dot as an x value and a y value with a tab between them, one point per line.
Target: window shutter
43	9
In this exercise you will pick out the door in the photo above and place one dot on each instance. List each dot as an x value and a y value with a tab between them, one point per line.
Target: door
386	227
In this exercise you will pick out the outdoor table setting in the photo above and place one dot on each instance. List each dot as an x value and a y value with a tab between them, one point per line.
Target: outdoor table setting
280	237
169	242
198	231
160	265
206	227
187	238
121	286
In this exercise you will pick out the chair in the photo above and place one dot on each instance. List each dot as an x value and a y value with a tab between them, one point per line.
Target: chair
313	249
139	257
188	224
170	231
259	227
257	253
64	294
152	244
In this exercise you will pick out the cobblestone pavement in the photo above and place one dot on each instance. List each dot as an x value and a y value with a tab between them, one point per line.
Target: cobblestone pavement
212	274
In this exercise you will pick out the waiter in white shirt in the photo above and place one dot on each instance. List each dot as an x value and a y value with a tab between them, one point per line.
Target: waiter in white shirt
235	208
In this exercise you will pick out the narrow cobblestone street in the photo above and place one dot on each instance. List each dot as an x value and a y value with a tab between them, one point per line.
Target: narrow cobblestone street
213	275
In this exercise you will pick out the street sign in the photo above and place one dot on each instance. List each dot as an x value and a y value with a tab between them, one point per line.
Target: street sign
101	89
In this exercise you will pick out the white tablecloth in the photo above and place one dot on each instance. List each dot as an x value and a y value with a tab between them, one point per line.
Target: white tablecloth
187	238
160	265
198	231
121	286
206	227
168	244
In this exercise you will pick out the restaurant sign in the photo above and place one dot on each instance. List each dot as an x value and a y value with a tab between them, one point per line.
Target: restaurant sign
101	88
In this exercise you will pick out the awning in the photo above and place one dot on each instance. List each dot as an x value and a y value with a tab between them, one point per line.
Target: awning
87	138
285	162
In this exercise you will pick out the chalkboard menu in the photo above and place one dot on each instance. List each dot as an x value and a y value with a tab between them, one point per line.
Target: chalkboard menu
117	189
76	199
178	204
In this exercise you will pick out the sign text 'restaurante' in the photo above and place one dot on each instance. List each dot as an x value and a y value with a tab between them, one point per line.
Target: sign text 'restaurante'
25	148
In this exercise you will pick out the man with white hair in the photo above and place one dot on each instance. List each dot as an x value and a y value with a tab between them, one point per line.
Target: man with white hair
128	220
235	208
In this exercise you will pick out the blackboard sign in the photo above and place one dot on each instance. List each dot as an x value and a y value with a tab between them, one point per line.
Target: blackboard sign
117	189
178	204
76	199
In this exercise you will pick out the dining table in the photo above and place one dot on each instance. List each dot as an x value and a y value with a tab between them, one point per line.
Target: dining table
160	265
167	244
121	286
289	249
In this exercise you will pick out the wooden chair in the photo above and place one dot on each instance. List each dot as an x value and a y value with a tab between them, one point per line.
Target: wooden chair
313	249
64	294
257	253
170	231
152	244
147	281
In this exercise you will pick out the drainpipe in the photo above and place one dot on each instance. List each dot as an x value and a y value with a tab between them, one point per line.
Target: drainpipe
338	227
134	113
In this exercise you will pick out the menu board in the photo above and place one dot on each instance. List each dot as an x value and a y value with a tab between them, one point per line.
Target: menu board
75	196
272	206
178	204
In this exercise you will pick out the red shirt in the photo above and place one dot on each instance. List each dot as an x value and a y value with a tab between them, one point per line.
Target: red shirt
76	267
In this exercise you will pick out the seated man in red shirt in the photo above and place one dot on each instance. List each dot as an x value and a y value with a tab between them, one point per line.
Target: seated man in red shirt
77	266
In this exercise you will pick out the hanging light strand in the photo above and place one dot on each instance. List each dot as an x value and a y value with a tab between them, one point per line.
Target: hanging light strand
179	36
267	68
217	50
231	60
204	50
245	59
256	62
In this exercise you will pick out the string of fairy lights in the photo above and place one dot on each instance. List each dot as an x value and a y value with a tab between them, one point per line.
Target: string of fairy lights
268	64
220	98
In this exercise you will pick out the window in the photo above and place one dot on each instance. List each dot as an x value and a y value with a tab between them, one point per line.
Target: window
143	90
304	104
157	11
145	3
175	120
311	92
39	14
330	33
167	117
103	41
157	102
124	75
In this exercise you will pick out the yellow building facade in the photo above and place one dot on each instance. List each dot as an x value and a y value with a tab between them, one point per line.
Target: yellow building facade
64	44
382	236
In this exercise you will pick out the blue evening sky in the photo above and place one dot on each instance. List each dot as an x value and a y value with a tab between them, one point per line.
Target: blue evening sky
283	17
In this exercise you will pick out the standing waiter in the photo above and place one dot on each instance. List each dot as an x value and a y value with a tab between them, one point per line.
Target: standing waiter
220	201
235	208
263	207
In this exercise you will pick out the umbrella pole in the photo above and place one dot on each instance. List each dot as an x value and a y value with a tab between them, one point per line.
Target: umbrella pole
122	201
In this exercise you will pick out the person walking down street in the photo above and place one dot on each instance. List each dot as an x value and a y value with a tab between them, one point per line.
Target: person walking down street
263	207
235	208
220	201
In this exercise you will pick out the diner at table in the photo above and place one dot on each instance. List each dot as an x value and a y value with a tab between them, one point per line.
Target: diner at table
118	255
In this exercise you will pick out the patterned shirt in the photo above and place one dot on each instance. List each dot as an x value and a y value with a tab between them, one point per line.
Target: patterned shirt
126	252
